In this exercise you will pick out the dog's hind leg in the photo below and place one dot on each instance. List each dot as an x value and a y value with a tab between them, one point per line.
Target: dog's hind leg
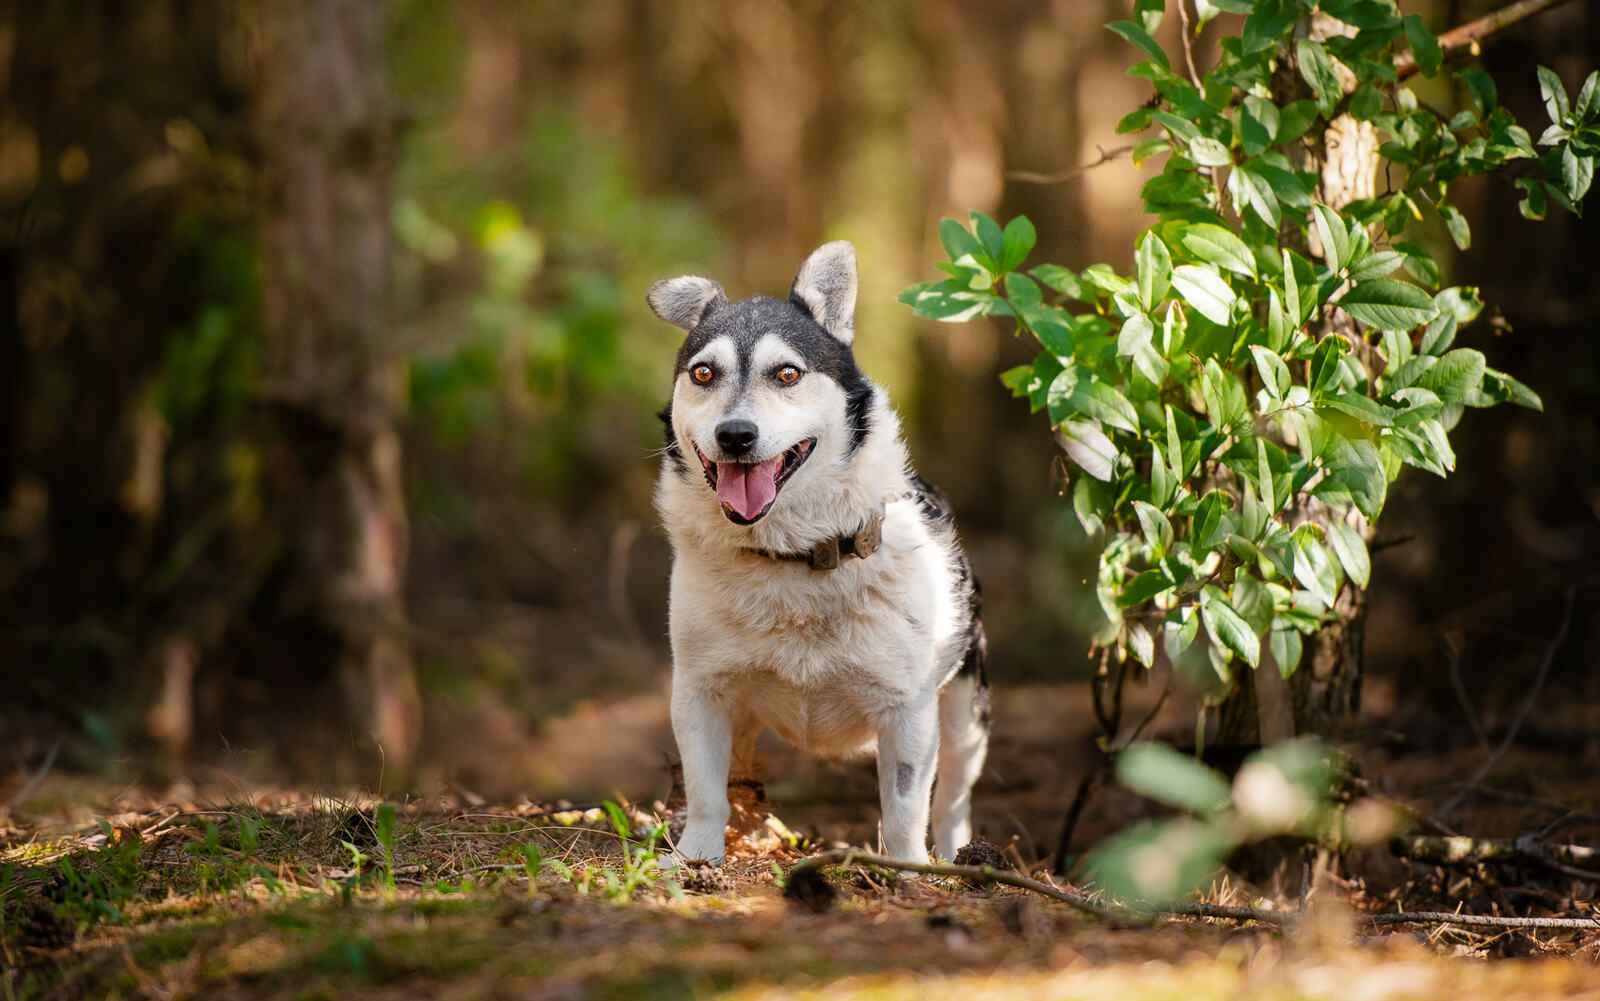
963	745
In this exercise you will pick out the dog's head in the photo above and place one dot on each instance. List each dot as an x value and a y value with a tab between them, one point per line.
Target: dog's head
767	396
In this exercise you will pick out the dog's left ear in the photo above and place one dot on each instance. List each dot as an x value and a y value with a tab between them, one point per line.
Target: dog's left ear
826	288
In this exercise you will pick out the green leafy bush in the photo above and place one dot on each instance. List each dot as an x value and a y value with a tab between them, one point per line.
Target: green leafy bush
1238	405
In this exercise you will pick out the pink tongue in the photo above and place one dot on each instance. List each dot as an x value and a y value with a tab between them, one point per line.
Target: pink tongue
747	490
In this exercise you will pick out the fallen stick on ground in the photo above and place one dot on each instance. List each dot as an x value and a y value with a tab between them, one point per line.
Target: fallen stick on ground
1480	920
976	873
1082	902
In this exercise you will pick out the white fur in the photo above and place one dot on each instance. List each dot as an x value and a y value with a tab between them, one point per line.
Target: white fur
827	285
836	662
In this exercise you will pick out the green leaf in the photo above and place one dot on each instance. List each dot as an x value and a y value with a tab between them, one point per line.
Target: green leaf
1534	204
1162	485
1588	101
1384	262
1138	36
1022	291
1294	120
1213	244
1312	567
1157	529
1065	281
1332	235
1352	552
1362	408
1325	363
1227	627
1554	94
1264	478
1208	152
1153	264
1174	446
1485	96
1089	503
1424	46
1252	600
1204	289
959	242
1258	124
1501	388
1171	777
1456	376
1388	304
1088	446
990	235
1366	103
1179	630
1137	332
1284	642
1247	186
1274	373
1143	587
1456	224
1206	529
1291	292
1016	242
1269	20
1317	67
1155	862
1577	173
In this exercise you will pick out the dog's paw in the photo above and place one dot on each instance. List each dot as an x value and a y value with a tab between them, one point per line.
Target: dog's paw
696	847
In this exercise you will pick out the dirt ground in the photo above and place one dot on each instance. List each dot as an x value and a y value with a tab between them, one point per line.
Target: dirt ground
217	889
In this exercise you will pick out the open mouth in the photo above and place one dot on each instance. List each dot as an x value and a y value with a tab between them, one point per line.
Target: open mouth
746	490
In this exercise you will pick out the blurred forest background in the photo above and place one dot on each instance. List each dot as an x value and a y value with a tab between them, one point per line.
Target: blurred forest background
260	501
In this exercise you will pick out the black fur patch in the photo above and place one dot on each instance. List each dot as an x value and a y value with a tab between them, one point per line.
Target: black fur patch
674	453
904	774
939	513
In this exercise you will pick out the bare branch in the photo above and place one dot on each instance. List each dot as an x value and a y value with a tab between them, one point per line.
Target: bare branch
1056	177
1468	36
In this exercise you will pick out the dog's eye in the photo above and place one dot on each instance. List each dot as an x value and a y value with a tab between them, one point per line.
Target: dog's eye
703	374
788	375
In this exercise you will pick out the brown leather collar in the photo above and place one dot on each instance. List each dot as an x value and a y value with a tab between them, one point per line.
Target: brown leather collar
830	552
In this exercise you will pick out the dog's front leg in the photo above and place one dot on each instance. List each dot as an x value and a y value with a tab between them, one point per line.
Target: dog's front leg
908	746
704	732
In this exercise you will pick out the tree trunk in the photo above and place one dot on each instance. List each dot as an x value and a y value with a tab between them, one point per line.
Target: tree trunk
323	122
1324	694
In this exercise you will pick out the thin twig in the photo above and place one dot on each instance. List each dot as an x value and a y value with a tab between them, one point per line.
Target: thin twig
1468	35
1056	177
1480	920
1188	44
976	873
1527	705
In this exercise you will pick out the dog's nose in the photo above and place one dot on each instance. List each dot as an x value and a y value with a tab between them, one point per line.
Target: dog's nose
737	436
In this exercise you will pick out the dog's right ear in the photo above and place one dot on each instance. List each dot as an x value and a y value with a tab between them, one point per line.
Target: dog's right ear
684	302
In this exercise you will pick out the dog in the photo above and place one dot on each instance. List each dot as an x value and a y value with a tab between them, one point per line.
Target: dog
818	587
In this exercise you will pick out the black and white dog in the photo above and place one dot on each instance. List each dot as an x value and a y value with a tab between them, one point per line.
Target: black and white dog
817	584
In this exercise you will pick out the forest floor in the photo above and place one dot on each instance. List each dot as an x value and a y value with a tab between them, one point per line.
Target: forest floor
228	892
